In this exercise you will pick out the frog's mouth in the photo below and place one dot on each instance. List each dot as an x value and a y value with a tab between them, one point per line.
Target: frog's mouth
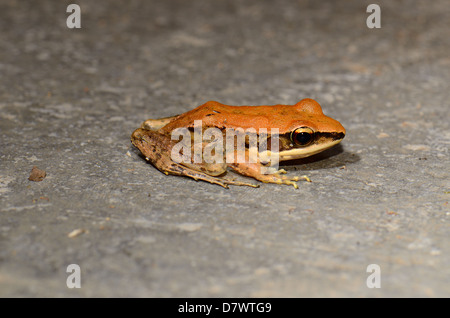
322	142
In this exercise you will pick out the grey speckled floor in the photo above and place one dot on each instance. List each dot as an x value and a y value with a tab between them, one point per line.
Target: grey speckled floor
69	100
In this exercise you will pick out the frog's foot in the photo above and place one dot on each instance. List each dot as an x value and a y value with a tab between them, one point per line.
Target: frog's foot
254	171
278	179
282	171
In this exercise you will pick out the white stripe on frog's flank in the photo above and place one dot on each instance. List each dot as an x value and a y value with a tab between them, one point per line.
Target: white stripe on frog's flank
297	153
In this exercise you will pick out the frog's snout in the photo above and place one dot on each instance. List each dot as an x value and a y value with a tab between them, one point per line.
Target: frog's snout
136	134
137	137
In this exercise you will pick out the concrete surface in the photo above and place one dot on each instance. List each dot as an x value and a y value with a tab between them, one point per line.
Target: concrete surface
70	99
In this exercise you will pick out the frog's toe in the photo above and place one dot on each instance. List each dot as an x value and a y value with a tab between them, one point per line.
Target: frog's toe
288	182
276	178
306	178
296	178
294	184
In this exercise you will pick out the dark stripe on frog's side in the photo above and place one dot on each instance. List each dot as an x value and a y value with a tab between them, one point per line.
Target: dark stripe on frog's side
331	135
286	143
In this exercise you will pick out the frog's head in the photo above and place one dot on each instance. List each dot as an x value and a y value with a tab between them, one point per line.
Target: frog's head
310	132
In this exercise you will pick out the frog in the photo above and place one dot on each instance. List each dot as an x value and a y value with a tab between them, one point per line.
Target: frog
302	130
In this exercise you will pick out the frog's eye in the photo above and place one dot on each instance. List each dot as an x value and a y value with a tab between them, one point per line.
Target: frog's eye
302	136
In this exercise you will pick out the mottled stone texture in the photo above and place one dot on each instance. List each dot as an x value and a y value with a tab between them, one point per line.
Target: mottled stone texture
70	99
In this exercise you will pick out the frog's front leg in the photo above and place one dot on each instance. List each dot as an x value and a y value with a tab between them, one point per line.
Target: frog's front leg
254	170
156	148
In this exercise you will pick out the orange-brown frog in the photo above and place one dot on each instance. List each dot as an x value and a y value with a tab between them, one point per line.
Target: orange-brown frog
299	130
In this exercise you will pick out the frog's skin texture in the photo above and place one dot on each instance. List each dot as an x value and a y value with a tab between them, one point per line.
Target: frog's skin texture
303	130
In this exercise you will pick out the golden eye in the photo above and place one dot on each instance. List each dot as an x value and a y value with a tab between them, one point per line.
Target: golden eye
302	136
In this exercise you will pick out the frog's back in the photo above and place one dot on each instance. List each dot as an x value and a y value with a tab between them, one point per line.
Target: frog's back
215	114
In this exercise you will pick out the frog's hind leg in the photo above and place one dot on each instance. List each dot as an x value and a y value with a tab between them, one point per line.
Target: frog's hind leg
155	124
149	143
